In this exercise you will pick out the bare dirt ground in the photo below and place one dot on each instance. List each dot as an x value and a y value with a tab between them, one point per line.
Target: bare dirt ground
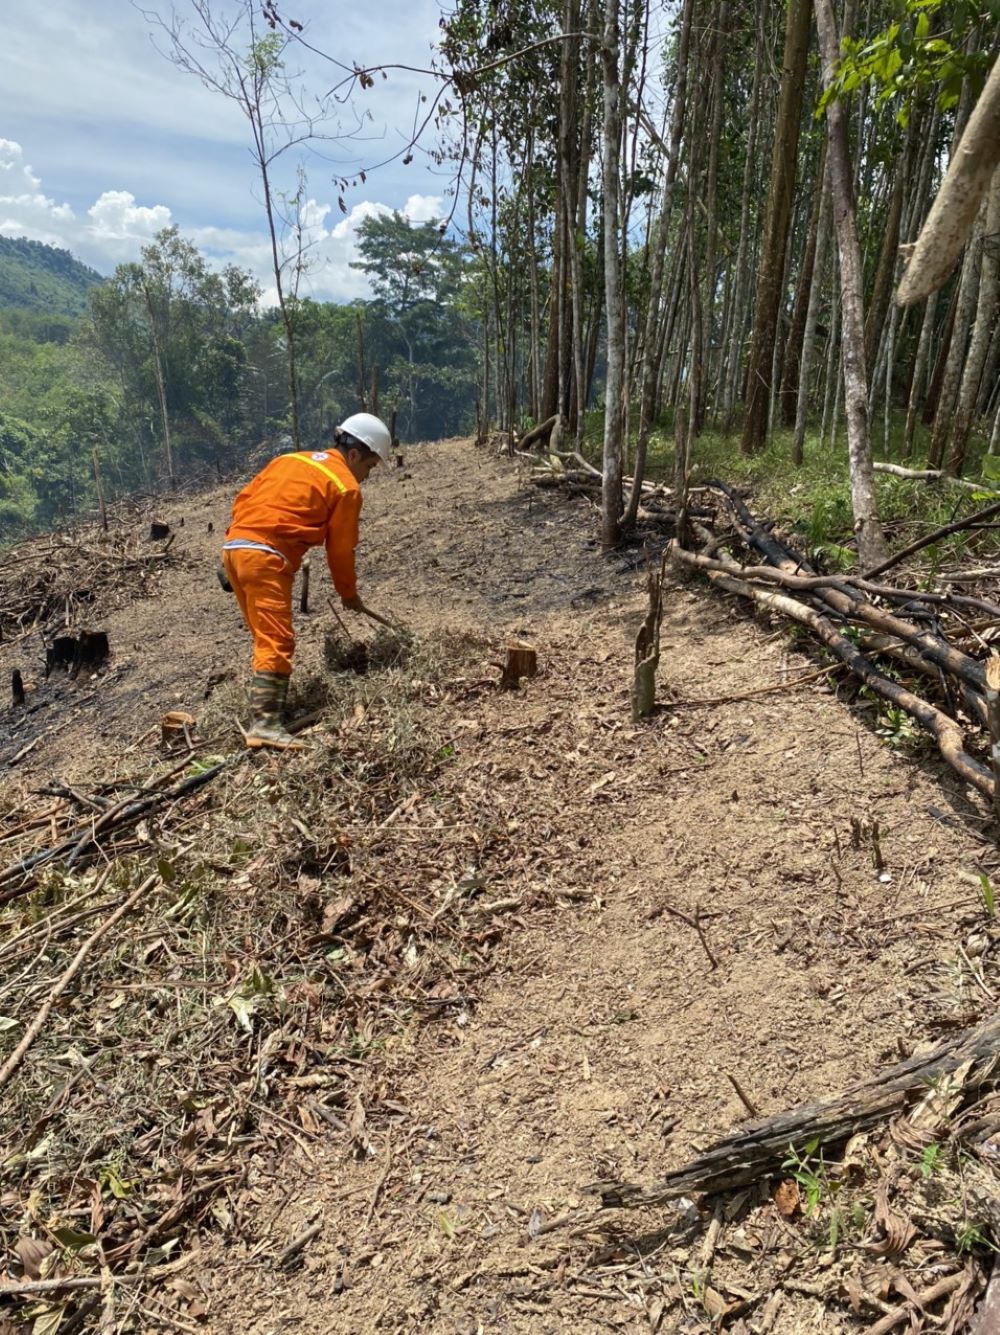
600	1043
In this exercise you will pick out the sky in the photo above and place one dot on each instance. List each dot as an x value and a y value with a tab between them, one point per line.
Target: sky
103	141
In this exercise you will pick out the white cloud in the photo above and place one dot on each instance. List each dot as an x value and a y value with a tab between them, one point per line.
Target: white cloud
119	226
116	226
24	210
423	208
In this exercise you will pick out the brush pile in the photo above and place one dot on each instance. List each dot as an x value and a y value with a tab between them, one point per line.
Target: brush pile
919	652
72	578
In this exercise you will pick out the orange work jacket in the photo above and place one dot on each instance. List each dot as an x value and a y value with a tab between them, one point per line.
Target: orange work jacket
299	501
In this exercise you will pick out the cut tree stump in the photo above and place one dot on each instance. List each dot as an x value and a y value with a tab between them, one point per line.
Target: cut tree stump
158	530
16	688
521	661
89	649
760	1148
176	724
647	649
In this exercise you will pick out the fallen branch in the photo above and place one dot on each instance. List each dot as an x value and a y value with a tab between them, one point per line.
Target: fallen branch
112	821
956	527
30	1288
931	475
694	922
541	432
903	1313
298	1243
64	980
760	1148
761	690
945	731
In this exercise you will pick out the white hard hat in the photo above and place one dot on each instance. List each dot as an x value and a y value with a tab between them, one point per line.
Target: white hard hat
371	431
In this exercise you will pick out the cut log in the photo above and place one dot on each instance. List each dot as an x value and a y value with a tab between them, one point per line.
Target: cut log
760	1148
931	475
521	661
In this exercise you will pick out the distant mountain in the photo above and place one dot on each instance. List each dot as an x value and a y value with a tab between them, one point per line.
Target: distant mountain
37	277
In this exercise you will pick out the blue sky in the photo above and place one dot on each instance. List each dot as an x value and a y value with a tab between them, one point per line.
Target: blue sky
103	141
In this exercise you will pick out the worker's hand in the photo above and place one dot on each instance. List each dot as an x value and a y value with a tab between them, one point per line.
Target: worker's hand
353	604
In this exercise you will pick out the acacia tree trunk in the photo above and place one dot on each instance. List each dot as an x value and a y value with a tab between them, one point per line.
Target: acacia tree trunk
578	182
790	378
734	358
611	490
706	297
870	538
882	287
968	394
919	373
812	317
649	375
779	208
964	308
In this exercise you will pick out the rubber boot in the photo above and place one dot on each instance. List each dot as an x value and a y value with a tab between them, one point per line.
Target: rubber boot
268	691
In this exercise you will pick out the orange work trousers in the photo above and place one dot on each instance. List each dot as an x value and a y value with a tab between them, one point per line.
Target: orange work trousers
262	583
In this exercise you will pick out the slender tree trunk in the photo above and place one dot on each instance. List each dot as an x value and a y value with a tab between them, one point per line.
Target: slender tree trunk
832	372
968	394
779	207
868	529
706	297
651	343
735	350
161	386
882	287
791	378
611	492
917	384
940	365
812	317
964	309
534	354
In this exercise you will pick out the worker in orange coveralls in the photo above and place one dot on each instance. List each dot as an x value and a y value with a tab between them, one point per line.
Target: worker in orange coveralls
298	501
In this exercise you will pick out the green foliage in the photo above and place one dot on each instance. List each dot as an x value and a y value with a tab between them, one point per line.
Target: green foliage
812	503
898	729
419	334
810	1172
930	1159
36	277
987	894
921	54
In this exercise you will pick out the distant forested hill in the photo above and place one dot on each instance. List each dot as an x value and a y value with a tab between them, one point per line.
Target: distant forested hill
41	278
